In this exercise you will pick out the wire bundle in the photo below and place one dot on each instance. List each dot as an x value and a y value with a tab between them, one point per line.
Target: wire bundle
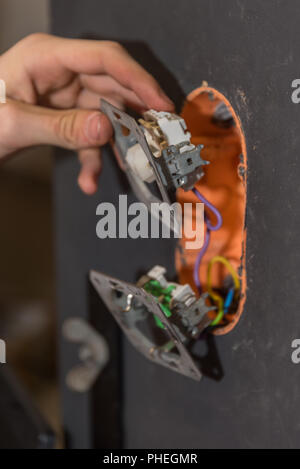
223	306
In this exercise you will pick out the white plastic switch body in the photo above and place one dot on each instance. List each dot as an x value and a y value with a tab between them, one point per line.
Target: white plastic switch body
171	128
139	163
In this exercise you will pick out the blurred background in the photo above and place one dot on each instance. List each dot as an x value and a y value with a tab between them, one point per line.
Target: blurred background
27	296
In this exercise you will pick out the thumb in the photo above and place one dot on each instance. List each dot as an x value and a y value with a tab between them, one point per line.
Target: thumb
24	125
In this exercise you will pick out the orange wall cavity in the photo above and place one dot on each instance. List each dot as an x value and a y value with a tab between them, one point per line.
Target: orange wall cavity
222	185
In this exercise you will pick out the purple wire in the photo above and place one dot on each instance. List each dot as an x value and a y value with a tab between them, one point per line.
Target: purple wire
213	209
210	228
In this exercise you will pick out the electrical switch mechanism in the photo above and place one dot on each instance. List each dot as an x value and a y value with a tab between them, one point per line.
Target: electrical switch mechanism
159	318
158	148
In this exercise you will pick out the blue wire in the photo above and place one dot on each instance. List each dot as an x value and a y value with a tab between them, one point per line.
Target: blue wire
228	300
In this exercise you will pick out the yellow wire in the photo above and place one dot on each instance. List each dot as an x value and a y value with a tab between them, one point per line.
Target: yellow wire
215	296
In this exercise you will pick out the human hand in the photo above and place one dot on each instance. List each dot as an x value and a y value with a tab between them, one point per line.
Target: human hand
53	86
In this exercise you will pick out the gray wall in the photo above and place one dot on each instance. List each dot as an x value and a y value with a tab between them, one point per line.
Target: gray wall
18	18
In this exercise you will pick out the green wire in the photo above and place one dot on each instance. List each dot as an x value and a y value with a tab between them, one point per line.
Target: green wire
218	318
154	288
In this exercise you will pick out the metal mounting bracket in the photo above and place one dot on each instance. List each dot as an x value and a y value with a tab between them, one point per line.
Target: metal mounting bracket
131	305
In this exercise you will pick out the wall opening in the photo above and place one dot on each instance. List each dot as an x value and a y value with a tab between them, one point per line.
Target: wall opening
214	124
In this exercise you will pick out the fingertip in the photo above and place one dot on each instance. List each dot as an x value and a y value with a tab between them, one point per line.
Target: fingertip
159	101
167	107
166	103
150	92
87	183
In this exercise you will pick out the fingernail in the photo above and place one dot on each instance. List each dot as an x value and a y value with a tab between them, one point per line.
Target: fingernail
93	127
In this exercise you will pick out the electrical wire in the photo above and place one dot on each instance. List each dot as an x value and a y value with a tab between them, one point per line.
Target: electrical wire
209	228
228	300
213	209
227	264
220	302
198	261
222	307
